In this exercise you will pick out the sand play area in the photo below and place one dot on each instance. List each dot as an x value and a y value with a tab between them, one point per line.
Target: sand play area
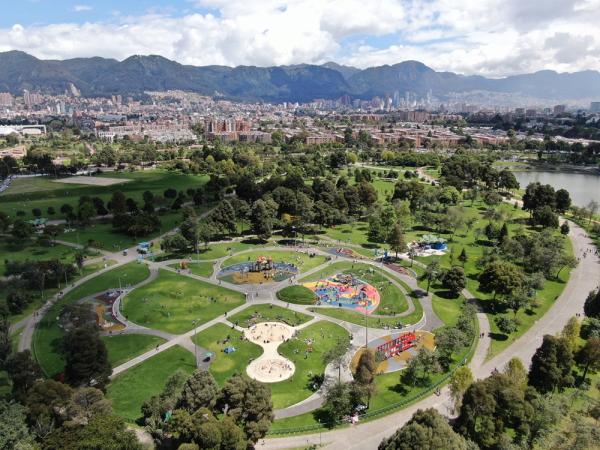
93	181
270	367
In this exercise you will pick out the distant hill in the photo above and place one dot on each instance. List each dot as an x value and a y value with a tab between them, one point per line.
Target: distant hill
304	82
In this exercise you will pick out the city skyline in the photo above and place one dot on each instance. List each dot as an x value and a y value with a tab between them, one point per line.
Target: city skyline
490	38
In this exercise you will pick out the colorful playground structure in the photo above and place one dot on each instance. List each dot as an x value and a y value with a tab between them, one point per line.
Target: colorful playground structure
394	351
262	270
346	291
398	345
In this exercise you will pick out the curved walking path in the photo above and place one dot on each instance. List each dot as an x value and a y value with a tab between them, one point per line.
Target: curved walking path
583	279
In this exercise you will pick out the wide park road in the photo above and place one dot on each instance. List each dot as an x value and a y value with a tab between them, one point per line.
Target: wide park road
584	278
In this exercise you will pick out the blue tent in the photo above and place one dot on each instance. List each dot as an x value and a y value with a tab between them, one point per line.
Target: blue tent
229	349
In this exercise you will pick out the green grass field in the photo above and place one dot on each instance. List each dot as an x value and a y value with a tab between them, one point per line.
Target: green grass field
224	365
48	334
216	251
133	387
102	234
172	301
202	269
324	336
122	347
297	294
42	192
268	313
302	261
12	250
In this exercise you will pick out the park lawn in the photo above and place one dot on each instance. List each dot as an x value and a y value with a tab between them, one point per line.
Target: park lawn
297	294
268	313
301	260
324	336
172	301
384	188
353	233
202	269
123	347
19	250
132	388
102	234
47	334
224	365
43	192
216	251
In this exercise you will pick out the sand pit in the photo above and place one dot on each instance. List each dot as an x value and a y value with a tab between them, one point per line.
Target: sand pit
93	181
270	367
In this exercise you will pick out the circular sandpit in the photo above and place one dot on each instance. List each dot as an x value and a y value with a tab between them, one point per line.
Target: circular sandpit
270	367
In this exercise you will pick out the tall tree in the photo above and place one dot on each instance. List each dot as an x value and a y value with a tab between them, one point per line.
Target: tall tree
86	358
461	379
23	372
199	391
551	365
396	240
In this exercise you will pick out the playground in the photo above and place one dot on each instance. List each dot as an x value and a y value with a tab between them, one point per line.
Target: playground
260	271
347	291
270	367
394	351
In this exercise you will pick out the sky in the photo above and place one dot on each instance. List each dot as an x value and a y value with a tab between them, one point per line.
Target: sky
493	38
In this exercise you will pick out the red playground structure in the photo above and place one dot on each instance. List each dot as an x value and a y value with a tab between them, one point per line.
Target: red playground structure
398	345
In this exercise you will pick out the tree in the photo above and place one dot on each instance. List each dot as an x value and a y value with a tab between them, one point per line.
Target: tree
199	391
86	212
537	196
564	228
366	368
463	258
570	332
591	307
545	216
338	401
505	324
86	358
175	243
432	271
500	278
14	433
589	356
23	372
5	344
420	367
117	203
427	429
396	240
516	372
86	403
102	432
563	200
551	365
46	402
454	280
262	220
461	379
250	405
21	230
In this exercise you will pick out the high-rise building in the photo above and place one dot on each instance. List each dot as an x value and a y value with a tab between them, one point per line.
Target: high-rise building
559	109
6	99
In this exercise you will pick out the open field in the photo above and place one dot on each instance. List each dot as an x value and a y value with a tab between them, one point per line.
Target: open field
324	335
133	387
297	294
224	365
172	301
92	181
122	347
42	192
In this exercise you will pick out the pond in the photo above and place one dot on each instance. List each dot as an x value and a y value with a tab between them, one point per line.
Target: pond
583	187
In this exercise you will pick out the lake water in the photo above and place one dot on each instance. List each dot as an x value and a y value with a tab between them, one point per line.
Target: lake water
583	187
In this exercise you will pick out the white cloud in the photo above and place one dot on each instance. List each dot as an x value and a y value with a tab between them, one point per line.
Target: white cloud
490	37
82	8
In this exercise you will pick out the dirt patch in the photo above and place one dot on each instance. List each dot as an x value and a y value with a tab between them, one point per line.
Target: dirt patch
92	181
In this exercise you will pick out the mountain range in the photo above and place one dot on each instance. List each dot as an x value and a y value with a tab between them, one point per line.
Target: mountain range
304	82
